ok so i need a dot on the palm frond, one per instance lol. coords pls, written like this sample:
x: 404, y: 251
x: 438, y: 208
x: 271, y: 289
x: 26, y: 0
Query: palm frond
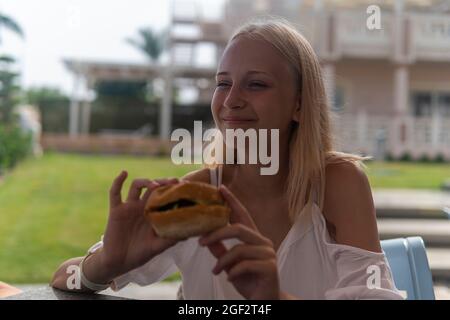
x: 7, y: 59
x: 11, y: 24
x: 149, y: 42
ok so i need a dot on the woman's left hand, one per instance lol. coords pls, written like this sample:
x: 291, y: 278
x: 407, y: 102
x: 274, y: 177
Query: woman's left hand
x: 252, y: 265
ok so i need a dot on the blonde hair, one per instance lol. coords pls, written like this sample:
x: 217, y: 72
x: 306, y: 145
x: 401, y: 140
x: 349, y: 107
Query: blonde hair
x: 311, y: 142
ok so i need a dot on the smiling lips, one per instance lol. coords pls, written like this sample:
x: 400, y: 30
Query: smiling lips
x: 236, y: 119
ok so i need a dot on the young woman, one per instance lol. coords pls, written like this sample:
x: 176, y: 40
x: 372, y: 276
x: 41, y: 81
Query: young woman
x: 307, y: 232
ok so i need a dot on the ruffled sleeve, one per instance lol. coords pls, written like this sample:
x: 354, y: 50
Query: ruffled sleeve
x: 355, y: 273
x: 361, y: 274
x: 156, y: 269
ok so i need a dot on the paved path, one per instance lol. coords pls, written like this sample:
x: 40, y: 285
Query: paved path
x: 417, y: 199
x: 417, y: 204
x: 434, y: 232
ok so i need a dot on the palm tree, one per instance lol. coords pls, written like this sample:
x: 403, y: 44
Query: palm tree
x: 9, y: 88
x: 149, y: 42
x: 9, y: 23
x: 152, y: 45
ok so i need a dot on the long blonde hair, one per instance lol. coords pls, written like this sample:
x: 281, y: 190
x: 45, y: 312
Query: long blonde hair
x: 311, y: 142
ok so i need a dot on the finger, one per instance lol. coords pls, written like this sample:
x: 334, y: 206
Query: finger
x: 115, y: 197
x: 238, y: 212
x: 237, y: 230
x: 217, y: 249
x: 136, y: 188
x: 153, y: 185
x: 157, y: 183
x: 242, y: 252
x: 248, y: 267
x: 164, y: 181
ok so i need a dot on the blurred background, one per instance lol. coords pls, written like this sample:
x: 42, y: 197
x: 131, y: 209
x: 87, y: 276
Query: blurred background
x: 88, y: 88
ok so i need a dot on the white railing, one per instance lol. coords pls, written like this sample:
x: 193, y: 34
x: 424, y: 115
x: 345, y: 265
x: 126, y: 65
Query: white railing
x: 431, y: 35
x: 426, y: 35
x: 432, y: 30
x: 352, y: 29
x: 377, y: 135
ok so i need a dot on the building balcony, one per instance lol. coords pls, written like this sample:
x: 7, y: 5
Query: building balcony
x: 407, y: 38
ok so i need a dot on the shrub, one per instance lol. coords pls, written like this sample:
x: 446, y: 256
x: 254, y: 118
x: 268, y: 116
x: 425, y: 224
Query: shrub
x: 405, y: 157
x: 14, y: 146
x: 389, y: 157
x: 439, y: 158
x: 424, y: 158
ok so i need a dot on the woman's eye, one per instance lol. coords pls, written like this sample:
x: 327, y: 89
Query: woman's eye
x: 222, y: 84
x: 257, y: 85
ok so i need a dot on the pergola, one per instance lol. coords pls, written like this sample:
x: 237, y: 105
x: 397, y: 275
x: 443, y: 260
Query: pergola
x: 87, y: 73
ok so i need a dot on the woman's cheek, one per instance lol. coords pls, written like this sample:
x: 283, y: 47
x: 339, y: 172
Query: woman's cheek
x: 215, y: 106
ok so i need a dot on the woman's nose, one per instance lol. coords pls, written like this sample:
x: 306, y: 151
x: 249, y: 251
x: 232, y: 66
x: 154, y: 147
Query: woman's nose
x: 234, y: 99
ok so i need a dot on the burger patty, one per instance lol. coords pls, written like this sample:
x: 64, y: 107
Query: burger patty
x: 177, y: 204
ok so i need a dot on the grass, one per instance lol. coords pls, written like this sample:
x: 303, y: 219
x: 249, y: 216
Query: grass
x: 398, y: 175
x: 54, y: 208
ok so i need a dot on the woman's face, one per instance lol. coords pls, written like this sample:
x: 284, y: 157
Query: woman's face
x: 255, y: 88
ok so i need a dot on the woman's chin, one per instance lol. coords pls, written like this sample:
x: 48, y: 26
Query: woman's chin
x: 239, y: 125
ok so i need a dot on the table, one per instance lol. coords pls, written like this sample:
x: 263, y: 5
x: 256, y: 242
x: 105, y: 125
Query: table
x: 49, y: 293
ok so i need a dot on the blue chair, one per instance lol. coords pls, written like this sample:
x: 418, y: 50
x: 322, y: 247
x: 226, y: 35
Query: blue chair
x: 409, y: 264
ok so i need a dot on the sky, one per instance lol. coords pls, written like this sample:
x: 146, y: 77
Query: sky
x: 81, y: 29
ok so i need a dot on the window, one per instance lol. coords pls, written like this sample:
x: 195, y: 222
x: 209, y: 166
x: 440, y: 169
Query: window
x: 444, y: 104
x: 339, y: 99
x: 421, y: 104
x: 426, y: 103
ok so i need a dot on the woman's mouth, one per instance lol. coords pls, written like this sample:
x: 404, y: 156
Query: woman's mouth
x: 236, y: 120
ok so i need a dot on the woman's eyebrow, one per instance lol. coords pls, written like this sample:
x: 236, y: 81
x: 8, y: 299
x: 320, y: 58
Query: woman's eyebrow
x: 224, y: 73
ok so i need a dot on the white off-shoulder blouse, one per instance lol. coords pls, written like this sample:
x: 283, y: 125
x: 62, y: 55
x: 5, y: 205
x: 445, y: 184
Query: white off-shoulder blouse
x: 310, y: 266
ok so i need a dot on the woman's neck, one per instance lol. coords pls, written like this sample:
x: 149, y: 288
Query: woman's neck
x: 247, y: 180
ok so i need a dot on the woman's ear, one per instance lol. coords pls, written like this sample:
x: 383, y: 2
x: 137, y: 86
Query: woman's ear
x: 296, y: 115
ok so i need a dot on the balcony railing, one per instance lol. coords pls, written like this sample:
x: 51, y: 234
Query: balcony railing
x: 411, y: 36
x: 354, y: 38
x: 376, y: 135
x: 431, y: 35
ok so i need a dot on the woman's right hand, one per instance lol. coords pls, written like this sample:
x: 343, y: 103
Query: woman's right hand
x: 129, y: 240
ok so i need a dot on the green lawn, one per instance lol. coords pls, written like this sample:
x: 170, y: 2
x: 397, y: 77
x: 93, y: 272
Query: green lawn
x: 408, y: 175
x: 55, y: 207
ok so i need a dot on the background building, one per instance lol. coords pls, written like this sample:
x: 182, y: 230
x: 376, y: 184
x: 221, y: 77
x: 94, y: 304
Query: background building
x: 389, y: 88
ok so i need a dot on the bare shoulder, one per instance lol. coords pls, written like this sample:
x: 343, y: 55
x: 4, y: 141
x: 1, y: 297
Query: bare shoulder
x: 349, y: 207
x: 200, y: 175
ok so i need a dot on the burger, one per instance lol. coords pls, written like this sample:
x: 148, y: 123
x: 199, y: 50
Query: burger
x: 186, y: 209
